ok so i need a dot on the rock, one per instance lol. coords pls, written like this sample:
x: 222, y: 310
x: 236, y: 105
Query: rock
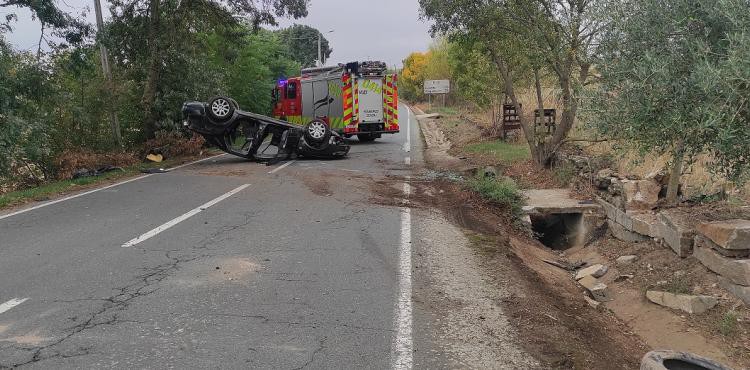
x: 739, y: 291
x: 736, y: 270
x: 626, y: 260
x: 676, y: 231
x: 622, y: 233
x: 489, y: 172
x: 591, y: 302
x: 731, y: 234
x: 596, y: 271
x: 645, y: 223
x: 688, y: 303
x: 624, y: 277
x: 598, y: 290
x: 641, y: 194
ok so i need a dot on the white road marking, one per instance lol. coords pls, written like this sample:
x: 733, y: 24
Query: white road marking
x: 184, y: 217
x: 407, y: 144
x: 98, y: 189
x: 407, y: 161
x: 403, y: 320
x: 12, y: 303
x: 277, y: 169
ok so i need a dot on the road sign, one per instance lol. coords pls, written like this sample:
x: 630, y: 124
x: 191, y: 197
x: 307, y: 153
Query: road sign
x: 437, y: 86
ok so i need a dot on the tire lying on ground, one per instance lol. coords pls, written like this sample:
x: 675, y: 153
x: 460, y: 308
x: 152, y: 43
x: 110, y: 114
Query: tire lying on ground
x: 317, y: 131
x: 673, y: 360
x: 221, y: 108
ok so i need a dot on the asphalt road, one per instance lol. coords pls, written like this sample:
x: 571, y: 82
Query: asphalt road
x: 227, y: 264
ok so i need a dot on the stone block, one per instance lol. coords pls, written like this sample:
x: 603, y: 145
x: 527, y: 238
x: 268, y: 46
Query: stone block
x: 640, y: 194
x: 739, y: 291
x: 676, y: 231
x: 645, y: 223
x: 621, y: 233
x: 736, y: 270
x: 731, y: 234
x: 684, y: 302
x: 598, y: 290
x: 596, y: 271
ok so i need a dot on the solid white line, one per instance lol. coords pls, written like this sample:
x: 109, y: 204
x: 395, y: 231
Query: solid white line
x: 184, y: 217
x: 194, y: 162
x: 277, y: 169
x: 12, y: 303
x: 97, y: 189
x: 403, y: 320
x: 407, y: 144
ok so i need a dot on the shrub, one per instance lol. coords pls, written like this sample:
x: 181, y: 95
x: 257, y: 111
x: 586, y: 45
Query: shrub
x: 173, y: 144
x: 502, y: 191
x: 71, y: 160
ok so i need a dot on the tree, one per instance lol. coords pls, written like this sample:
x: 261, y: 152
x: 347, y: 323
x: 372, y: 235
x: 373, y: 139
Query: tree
x: 302, y: 42
x: 172, y: 28
x: 49, y: 15
x: 521, y: 37
x: 675, y: 79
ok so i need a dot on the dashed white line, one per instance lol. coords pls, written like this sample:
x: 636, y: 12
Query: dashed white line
x: 407, y: 161
x: 403, y: 321
x: 98, y: 189
x: 277, y: 169
x: 184, y: 217
x: 12, y: 303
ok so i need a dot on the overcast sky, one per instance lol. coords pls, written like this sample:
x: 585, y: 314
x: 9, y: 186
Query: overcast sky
x: 386, y: 30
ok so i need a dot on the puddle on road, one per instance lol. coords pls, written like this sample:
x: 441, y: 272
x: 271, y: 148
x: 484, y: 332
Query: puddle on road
x: 209, y: 271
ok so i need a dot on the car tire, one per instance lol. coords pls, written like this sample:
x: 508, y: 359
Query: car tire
x: 665, y: 359
x: 221, y: 108
x: 234, y: 102
x: 366, y: 138
x: 317, y: 131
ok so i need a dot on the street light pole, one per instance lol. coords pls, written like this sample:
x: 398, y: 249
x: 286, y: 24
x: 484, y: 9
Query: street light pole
x: 320, y: 58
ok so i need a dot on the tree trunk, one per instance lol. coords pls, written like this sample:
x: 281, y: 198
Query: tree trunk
x: 675, y: 174
x: 539, y: 99
x: 152, y: 81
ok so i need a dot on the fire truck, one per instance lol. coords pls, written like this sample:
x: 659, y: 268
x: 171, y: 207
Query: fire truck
x: 358, y: 98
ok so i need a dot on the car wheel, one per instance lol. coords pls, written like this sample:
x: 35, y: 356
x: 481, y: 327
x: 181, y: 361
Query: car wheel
x: 664, y: 360
x: 317, y: 131
x: 365, y: 137
x: 221, y: 108
x: 234, y: 103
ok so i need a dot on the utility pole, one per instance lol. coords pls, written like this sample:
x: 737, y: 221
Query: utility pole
x: 320, y: 57
x: 113, y: 120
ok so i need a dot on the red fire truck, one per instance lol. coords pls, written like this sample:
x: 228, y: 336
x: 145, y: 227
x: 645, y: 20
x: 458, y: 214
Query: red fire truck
x: 358, y: 98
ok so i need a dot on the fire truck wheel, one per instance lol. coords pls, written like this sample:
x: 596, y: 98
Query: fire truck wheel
x: 221, y: 108
x: 366, y: 137
x: 317, y: 131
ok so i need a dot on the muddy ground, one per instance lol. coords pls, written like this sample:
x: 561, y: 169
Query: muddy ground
x: 553, y: 321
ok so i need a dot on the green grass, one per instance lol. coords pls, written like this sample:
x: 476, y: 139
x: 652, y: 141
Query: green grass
x: 443, y: 110
x: 502, y: 191
x: 45, y: 191
x: 505, y: 152
x: 728, y: 323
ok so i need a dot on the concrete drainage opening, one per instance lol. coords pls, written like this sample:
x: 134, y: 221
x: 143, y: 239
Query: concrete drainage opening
x: 558, y: 231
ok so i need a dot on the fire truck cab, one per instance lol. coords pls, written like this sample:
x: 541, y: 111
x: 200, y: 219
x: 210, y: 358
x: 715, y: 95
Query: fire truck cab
x: 358, y: 98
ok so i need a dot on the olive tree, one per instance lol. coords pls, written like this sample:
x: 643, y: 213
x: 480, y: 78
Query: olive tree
x: 522, y: 37
x: 675, y: 79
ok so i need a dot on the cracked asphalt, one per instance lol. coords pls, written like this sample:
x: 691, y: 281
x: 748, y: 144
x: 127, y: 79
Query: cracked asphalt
x: 299, y: 270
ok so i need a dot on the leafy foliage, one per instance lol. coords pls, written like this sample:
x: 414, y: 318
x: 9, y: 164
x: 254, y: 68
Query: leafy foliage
x: 302, y: 42
x: 675, y: 79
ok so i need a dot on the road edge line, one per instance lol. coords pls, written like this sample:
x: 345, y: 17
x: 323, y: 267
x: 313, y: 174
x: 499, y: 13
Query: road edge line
x: 5, y: 307
x: 53, y: 202
x: 403, y: 345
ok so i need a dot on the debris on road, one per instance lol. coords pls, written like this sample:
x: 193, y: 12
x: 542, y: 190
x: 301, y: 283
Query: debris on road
x: 85, y: 172
x: 155, y: 157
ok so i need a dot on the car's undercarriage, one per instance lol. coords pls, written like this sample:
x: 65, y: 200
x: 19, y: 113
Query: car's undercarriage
x: 249, y: 135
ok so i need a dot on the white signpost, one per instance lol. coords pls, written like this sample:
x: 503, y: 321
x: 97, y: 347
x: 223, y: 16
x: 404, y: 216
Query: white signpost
x: 432, y: 87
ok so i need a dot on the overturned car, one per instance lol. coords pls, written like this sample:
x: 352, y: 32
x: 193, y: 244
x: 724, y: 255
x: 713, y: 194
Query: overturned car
x: 249, y: 135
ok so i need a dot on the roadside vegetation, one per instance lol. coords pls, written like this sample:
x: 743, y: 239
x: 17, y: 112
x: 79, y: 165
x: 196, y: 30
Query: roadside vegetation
x: 502, y: 191
x: 655, y: 88
x: 55, y: 102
